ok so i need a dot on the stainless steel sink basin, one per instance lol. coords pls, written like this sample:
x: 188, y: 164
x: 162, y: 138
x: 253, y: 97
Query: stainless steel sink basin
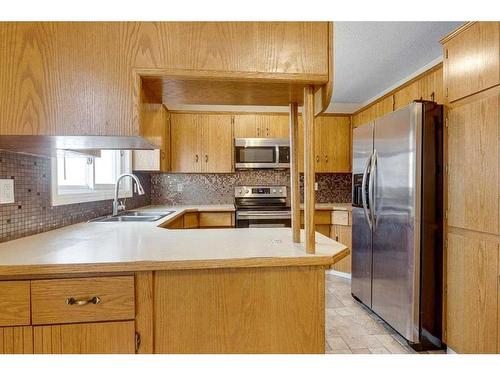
x: 131, y: 216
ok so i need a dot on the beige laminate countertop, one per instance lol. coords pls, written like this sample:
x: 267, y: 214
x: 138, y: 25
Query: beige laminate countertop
x: 331, y: 206
x: 136, y: 246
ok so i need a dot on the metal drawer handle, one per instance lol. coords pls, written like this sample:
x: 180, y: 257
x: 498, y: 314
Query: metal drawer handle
x: 82, y: 302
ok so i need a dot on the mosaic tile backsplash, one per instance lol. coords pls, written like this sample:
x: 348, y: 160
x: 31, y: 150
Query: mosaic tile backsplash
x: 178, y: 189
x: 32, y: 211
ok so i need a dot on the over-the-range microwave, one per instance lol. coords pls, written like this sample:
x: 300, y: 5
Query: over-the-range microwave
x: 257, y: 153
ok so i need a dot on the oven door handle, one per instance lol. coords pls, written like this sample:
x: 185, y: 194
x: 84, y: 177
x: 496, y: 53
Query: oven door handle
x: 256, y: 215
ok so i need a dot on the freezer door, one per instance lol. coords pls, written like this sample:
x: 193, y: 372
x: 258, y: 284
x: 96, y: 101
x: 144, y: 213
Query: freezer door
x: 396, y: 230
x: 361, y: 233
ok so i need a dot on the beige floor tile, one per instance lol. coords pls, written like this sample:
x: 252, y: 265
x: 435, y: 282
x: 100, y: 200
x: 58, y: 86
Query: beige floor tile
x: 363, y: 342
x: 336, y: 343
x: 361, y: 351
x: 379, y: 351
x: 341, y: 351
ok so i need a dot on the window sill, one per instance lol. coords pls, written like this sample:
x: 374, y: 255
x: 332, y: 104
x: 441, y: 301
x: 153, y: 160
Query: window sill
x: 95, y: 196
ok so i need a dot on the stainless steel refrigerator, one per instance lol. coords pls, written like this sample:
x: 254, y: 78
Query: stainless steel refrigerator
x: 397, y: 217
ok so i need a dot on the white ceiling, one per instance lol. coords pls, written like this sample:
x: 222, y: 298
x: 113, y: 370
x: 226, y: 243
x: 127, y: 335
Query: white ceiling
x: 370, y: 57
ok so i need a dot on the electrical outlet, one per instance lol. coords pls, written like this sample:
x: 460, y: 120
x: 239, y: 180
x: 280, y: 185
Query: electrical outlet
x: 315, y: 186
x: 6, y: 191
x: 179, y: 188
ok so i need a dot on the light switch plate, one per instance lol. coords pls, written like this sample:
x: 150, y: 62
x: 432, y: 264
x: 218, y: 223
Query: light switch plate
x: 6, y: 191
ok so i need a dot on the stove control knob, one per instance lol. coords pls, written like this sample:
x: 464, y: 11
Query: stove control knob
x: 274, y: 190
x: 247, y: 191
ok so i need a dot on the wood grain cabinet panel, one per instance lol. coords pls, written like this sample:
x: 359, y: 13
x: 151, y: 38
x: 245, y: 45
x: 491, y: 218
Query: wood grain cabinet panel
x: 473, y: 157
x: 191, y: 220
x: 50, y: 300
x: 228, y: 310
x: 342, y: 234
x: 472, y: 60
x: 14, y: 303
x: 261, y: 125
x: 472, y: 292
x: 16, y: 340
x: 333, y: 143
x: 185, y: 143
x: 155, y: 127
x: 216, y: 219
x: 76, y: 78
x: 217, y: 143
x: 201, y: 143
x: 85, y: 338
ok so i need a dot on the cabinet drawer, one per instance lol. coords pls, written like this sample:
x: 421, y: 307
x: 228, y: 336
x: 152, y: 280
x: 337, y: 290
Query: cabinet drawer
x: 321, y: 217
x: 191, y: 220
x: 14, y: 303
x: 340, y: 217
x: 94, y: 299
x: 216, y: 219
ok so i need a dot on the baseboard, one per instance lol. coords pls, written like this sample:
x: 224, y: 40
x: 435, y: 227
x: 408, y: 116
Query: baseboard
x: 339, y: 274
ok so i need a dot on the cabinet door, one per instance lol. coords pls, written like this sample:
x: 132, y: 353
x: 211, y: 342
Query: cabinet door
x: 473, y: 157
x: 88, y: 338
x: 155, y: 127
x: 472, y: 60
x: 335, y: 140
x: 342, y: 234
x: 185, y: 142
x: 273, y: 126
x: 317, y: 145
x: 217, y: 144
x: 16, y: 340
x: 245, y: 126
x: 472, y: 291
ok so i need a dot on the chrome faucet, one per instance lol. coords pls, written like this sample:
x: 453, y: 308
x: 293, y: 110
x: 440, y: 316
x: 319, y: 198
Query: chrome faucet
x: 120, y: 206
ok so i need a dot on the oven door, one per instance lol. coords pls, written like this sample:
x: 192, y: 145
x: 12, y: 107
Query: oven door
x: 263, y: 219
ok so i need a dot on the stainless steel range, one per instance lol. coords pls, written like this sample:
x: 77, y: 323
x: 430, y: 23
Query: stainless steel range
x: 261, y: 207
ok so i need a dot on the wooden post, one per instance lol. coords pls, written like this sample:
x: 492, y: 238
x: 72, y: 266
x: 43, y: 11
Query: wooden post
x: 294, y: 171
x: 309, y: 194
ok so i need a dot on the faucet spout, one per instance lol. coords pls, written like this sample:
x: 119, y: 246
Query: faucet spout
x: 117, y: 206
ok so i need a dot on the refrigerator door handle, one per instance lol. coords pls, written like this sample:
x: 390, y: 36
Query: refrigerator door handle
x: 363, y: 192
x: 371, y: 188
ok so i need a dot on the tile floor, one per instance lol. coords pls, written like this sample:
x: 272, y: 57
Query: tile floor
x: 353, y: 329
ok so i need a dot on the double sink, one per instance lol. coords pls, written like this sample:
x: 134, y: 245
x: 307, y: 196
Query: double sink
x: 132, y: 216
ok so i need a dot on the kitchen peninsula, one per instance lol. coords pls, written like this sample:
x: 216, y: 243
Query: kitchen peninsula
x: 138, y: 287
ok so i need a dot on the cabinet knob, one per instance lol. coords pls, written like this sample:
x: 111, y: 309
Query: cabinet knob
x: 206, y: 158
x: 196, y: 158
x: 82, y: 302
x: 317, y: 158
x: 326, y: 158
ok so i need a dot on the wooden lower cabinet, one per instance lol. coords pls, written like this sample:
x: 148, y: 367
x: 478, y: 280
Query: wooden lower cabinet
x: 16, y: 340
x: 342, y: 234
x: 240, y: 310
x: 85, y: 338
x: 472, y: 280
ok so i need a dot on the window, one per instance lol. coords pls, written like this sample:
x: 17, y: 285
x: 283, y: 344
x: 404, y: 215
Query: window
x: 77, y: 178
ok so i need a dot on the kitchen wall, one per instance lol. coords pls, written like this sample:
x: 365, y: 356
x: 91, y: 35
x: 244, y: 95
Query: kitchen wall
x: 32, y: 212
x: 178, y: 189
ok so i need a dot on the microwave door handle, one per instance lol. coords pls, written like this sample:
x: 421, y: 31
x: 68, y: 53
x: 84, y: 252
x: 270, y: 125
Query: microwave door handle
x: 371, y: 188
x: 363, y: 192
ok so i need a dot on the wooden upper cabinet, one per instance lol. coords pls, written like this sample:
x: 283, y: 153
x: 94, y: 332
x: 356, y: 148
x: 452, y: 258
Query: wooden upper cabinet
x: 473, y: 159
x: 201, y: 143
x: 217, y: 143
x: 82, y: 78
x: 332, y: 144
x: 471, y: 59
x: 261, y: 125
x: 335, y: 139
x: 185, y: 143
x: 155, y: 118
